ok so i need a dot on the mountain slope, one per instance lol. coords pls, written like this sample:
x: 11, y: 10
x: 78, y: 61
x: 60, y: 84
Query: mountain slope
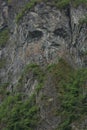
x: 43, y: 65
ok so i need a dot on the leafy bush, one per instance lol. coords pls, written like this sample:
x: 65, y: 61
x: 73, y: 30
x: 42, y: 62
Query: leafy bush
x: 71, y: 86
x: 16, y: 114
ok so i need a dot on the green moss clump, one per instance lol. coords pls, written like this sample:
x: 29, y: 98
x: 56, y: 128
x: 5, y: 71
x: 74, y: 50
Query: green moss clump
x: 4, y: 36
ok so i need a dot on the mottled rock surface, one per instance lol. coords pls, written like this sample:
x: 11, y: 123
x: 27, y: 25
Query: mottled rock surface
x: 43, y: 36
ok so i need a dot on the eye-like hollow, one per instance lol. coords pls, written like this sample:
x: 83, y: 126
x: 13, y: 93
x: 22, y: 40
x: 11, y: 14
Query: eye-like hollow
x: 60, y: 32
x: 35, y: 34
x: 55, y: 44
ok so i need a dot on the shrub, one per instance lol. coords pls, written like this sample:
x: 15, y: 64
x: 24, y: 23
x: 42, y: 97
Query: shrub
x: 17, y: 114
x: 70, y: 84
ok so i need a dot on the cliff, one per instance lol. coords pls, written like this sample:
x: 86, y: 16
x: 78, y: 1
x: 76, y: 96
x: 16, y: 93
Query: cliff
x: 43, y: 52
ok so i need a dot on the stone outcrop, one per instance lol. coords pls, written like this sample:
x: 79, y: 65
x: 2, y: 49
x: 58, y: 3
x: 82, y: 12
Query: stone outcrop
x: 43, y: 36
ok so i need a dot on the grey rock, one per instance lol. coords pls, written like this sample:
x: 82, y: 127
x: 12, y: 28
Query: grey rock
x: 44, y: 35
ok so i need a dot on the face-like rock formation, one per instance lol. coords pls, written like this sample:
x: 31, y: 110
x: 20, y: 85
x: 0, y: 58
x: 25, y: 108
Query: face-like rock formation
x: 43, y: 35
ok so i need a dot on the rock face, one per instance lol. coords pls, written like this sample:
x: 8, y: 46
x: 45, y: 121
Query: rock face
x: 43, y: 36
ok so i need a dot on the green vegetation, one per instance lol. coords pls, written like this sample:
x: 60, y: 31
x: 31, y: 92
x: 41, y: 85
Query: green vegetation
x: 9, y: 1
x: 34, y: 70
x: 84, y: 52
x: 28, y: 6
x: 78, y: 2
x: 20, y: 112
x: 61, y: 3
x: 64, y: 3
x: 3, y: 91
x: 16, y: 114
x: 71, y: 85
x: 2, y: 63
x: 4, y: 36
x: 57, y: 3
x: 83, y: 20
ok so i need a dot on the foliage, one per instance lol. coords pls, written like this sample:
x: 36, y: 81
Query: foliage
x: 16, y: 111
x: 2, y: 63
x: 83, y: 20
x: 78, y: 2
x: 64, y: 3
x: 3, y: 91
x: 28, y: 6
x: 20, y: 113
x: 71, y: 85
x: 16, y: 114
x: 4, y: 36
x: 9, y: 1
x: 36, y: 72
x: 57, y: 3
